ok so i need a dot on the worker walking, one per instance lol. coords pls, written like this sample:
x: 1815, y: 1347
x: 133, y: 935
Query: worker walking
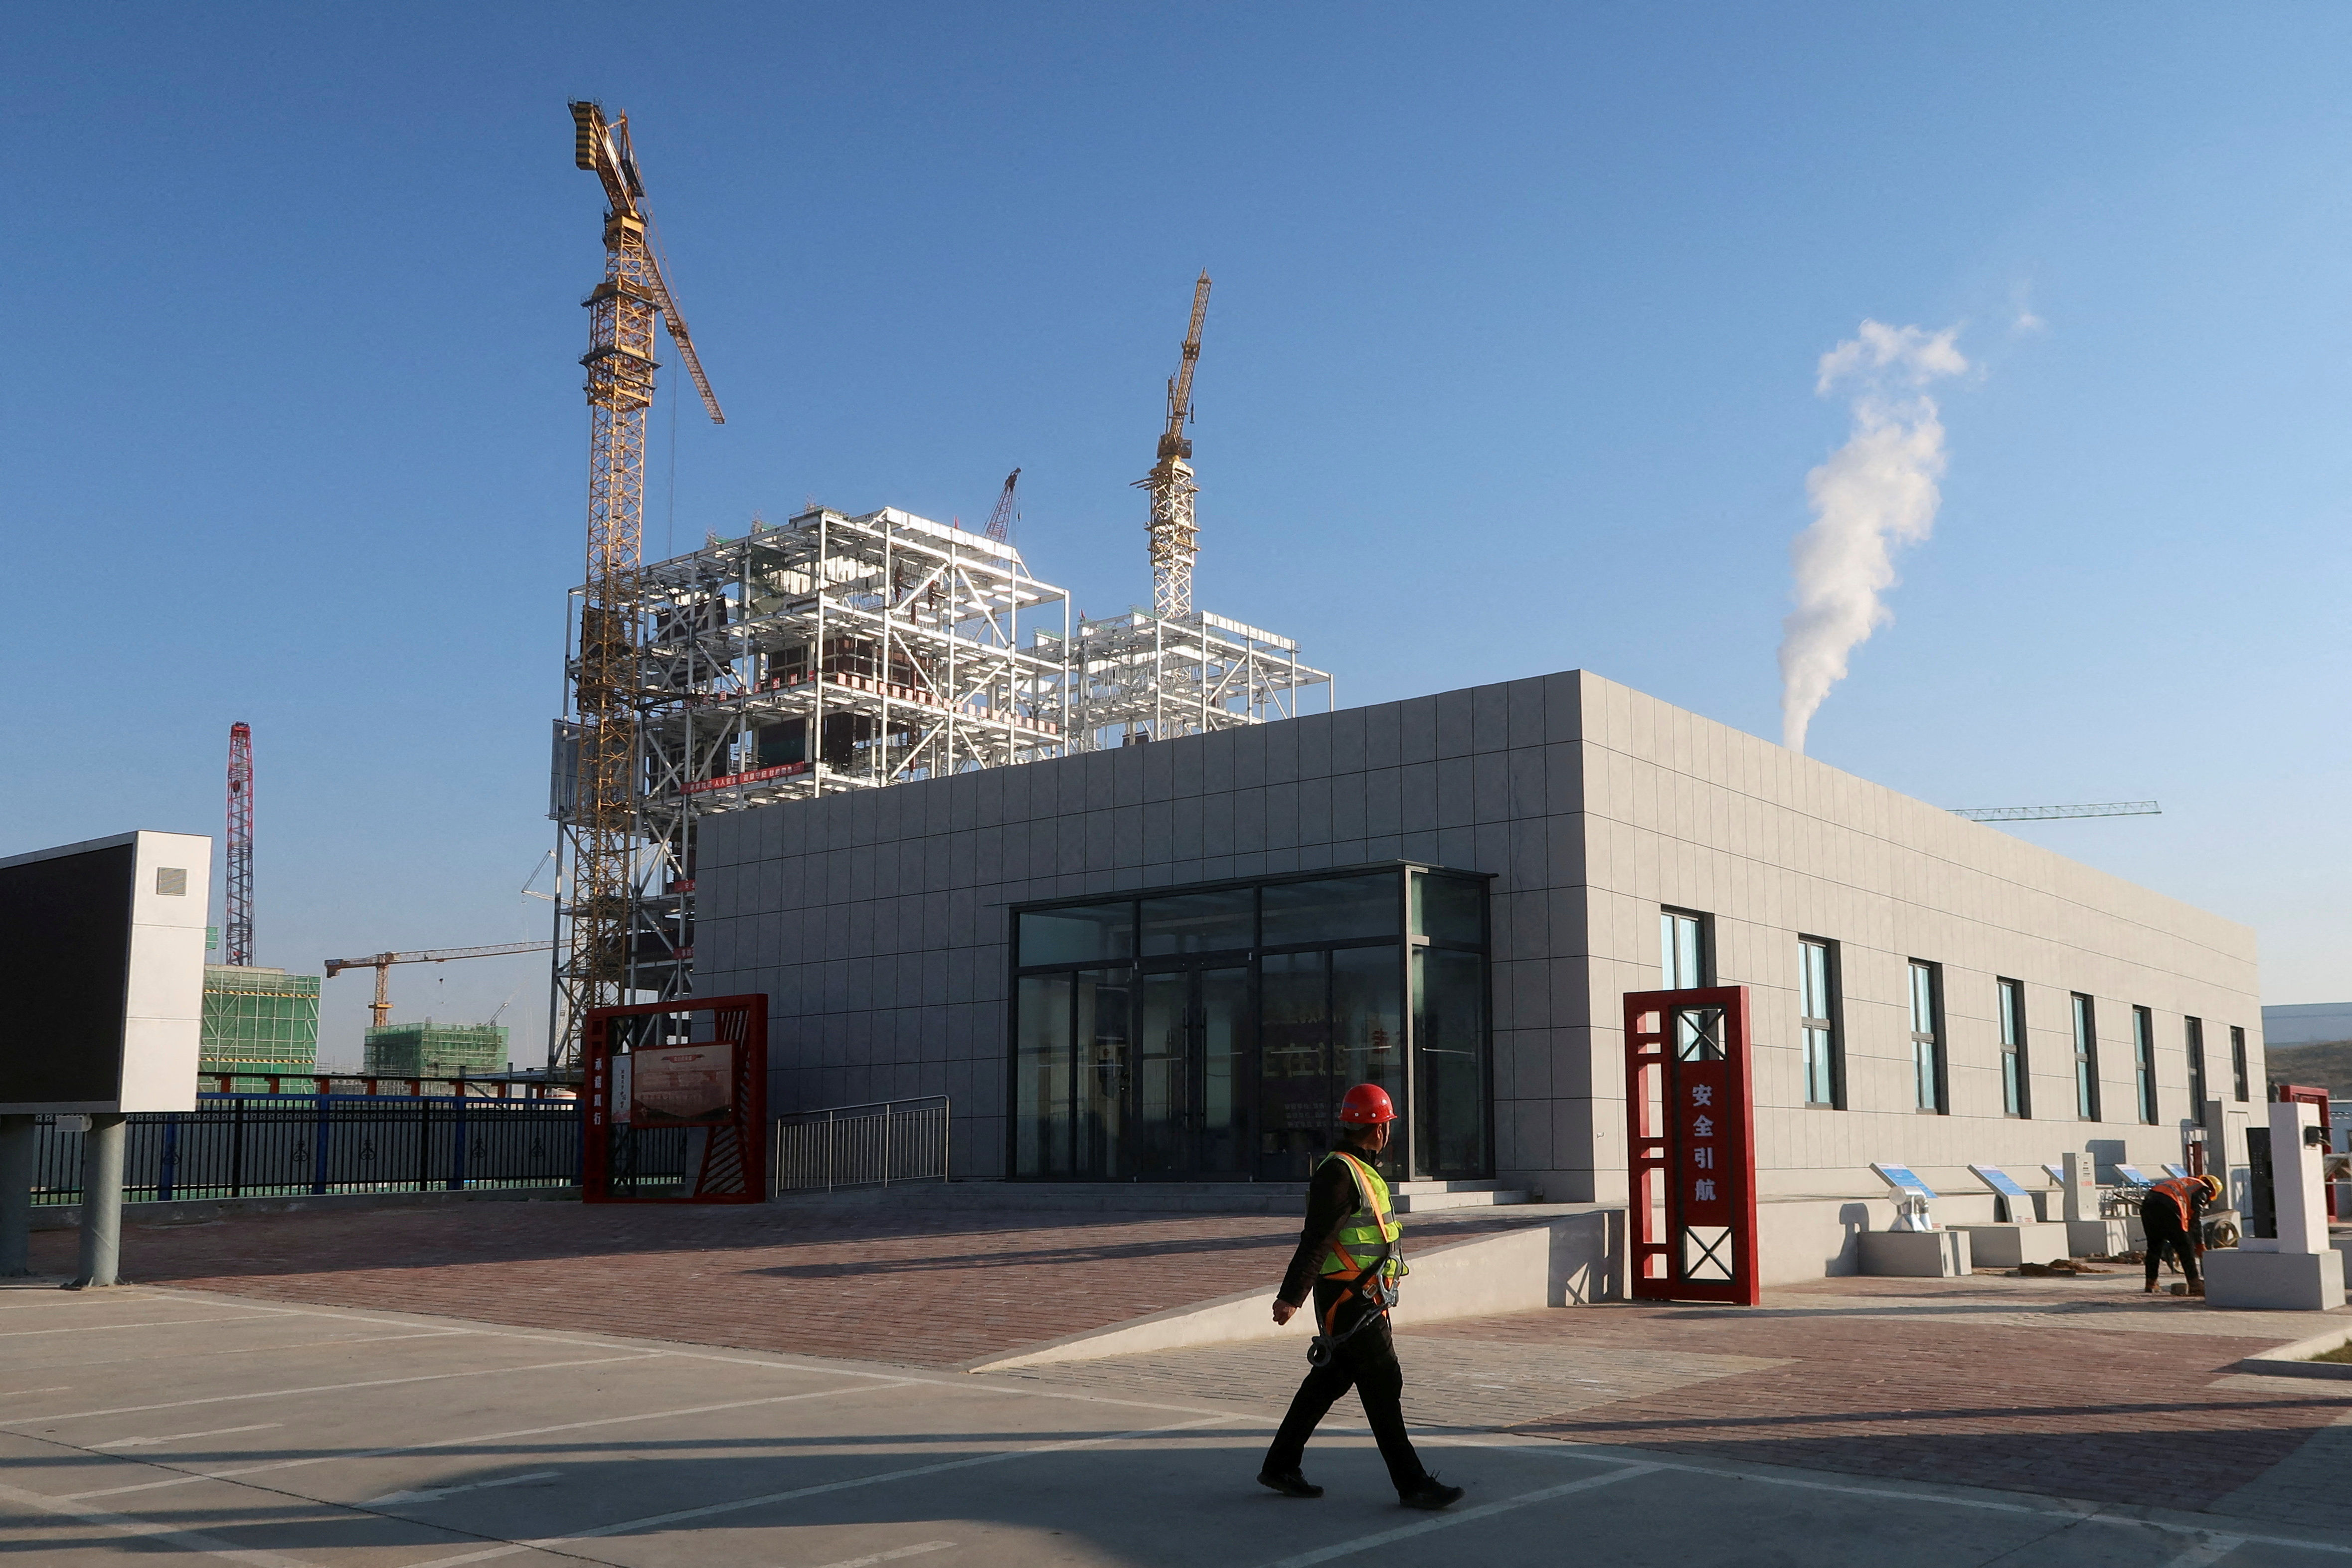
x: 2172, y: 1214
x: 1349, y: 1254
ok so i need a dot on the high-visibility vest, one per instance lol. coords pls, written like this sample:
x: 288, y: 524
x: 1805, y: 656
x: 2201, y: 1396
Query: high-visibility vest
x: 1367, y: 1229
x: 2179, y: 1191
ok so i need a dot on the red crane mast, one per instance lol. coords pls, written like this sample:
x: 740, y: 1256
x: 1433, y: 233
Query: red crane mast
x: 240, y: 845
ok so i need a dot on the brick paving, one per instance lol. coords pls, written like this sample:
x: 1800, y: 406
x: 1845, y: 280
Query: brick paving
x: 2060, y: 1407
x: 2079, y: 1389
x: 877, y: 1283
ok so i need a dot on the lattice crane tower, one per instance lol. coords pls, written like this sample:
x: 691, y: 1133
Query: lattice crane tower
x: 600, y: 826
x: 239, y: 937
x: 1174, y: 535
x: 1000, y: 521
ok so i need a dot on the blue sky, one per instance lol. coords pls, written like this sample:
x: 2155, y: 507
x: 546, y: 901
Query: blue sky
x: 1509, y: 369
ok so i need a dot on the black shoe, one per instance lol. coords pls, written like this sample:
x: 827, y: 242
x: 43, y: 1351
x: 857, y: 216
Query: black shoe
x: 1432, y: 1494
x: 1289, y: 1483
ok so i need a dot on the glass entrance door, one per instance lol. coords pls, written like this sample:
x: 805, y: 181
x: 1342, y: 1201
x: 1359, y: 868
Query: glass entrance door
x: 1189, y: 1054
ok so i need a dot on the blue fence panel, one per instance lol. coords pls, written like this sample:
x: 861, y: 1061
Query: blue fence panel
x: 265, y: 1145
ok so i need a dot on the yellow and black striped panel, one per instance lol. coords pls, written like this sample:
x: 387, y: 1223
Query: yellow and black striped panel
x: 585, y: 129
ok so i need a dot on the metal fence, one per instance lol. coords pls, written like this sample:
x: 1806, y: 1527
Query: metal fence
x: 863, y: 1145
x: 253, y: 1146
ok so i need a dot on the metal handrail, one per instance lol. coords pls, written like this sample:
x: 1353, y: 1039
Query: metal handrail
x: 876, y: 1164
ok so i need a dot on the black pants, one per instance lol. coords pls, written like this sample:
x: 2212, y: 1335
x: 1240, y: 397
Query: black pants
x: 1368, y: 1362
x: 2165, y: 1234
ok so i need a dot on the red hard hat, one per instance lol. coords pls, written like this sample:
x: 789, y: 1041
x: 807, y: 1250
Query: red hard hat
x: 1366, y: 1106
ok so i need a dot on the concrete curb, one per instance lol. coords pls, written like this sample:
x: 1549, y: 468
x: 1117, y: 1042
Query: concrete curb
x: 2293, y: 1360
x: 1559, y: 1262
x: 67, y: 1215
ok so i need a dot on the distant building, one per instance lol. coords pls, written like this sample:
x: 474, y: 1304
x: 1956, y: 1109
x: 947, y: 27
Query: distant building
x: 259, y: 1021
x: 430, y: 1050
x: 2307, y: 1022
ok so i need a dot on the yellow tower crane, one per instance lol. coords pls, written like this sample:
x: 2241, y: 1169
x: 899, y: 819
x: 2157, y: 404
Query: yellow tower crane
x: 382, y: 964
x: 592, y: 966
x: 1174, y: 537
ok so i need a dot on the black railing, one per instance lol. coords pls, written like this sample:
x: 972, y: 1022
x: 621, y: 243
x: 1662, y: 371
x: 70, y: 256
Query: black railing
x: 265, y: 1146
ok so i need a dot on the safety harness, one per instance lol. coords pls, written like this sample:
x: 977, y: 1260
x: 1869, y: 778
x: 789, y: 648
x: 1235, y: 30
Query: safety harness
x: 1372, y: 1282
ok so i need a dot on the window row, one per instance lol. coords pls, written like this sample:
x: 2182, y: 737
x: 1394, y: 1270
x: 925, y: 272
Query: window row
x: 1686, y: 961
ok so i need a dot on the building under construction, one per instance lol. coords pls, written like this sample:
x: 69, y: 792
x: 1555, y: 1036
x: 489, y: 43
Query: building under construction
x: 259, y: 1021
x: 834, y: 652
x: 430, y: 1050
x: 838, y: 653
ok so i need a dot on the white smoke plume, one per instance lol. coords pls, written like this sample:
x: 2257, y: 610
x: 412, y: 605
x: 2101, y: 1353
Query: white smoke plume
x: 1876, y: 492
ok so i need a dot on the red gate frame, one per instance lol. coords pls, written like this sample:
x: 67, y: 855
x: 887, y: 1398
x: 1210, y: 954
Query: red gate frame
x: 742, y: 1021
x: 1657, y: 1154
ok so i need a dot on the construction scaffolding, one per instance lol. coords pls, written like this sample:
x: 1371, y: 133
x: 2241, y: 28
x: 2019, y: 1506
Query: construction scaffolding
x: 431, y: 1049
x: 258, y: 1020
x: 833, y: 652
x: 1138, y: 678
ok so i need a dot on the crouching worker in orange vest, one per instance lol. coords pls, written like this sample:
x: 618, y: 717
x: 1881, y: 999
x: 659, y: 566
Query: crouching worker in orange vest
x: 2173, y: 1216
x: 1348, y: 1252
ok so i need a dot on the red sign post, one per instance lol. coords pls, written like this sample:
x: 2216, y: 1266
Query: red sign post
x: 649, y: 1087
x: 1691, y: 1134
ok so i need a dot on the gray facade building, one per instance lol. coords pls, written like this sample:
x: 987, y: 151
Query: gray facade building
x: 2307, y: 1023
x: 1929, y: 990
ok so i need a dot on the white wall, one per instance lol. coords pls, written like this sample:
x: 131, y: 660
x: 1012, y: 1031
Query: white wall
x: 1685, y: 811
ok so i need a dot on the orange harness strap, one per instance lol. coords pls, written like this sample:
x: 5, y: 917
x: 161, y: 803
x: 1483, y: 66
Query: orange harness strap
x: 1346, y: 1259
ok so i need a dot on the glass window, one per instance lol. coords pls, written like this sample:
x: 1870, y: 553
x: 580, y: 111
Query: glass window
x: 1295, y: 1068
x: 1087, y: 934
x: 2086, y: 1059
x: 2192, y: 1034
x: 1041, y: 1122
x: 1340, y: 910
x: 2015, y: 1091
x: 1192, y: 1051
x: 1817, y: 1020
x: 1449, y: 908
x: 2144, y: 1063
x: 1926, y: 1036
x: 2238, y: 1063
x: 1449, y: 1021
x: 1101, y: 1031
x: 1368, y: 1018
x: 1200, y: 922
x: 1682, y: 950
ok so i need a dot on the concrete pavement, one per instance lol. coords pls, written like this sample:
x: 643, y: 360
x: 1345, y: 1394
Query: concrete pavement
x: 289, y: 1436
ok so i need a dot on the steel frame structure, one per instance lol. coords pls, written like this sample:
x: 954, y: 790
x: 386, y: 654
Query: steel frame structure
x: 238, y: 937
x: 1140, y: 676
x: 833, y: 653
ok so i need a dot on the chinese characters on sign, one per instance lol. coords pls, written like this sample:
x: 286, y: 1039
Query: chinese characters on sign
x: 678, y: 1086
x: 1690, y: 1223
x: 1705, y: 1160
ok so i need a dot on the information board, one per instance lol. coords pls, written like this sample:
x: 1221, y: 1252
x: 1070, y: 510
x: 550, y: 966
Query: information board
x: 681, y: 1085
x: 667, y: 1117
x: 2000, y: 1180
x: 1903, y: 1180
